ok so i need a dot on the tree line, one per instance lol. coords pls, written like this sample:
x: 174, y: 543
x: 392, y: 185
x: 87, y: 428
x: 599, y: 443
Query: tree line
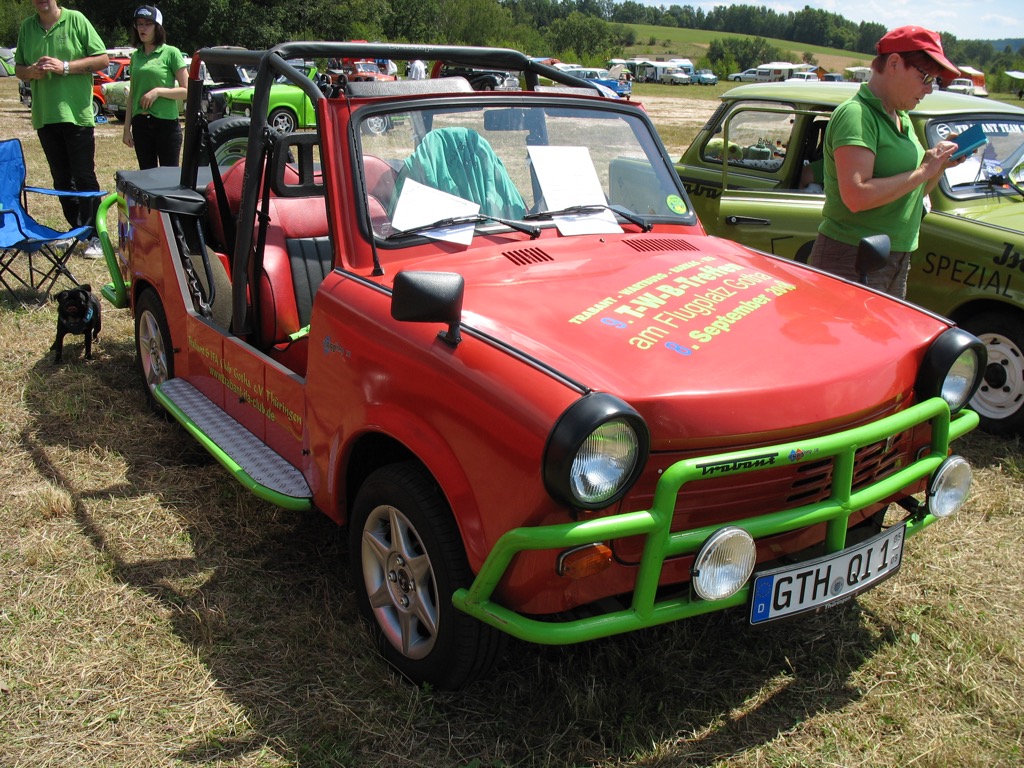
x: 584, y: 30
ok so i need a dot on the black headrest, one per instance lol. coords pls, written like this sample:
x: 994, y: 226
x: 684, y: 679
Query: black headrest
x: 295, y: 151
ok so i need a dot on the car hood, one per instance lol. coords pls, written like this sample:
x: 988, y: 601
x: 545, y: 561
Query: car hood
x: 702, y: 336
x: 224, y: 74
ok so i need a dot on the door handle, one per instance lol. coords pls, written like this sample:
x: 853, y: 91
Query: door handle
x: 747, y: 220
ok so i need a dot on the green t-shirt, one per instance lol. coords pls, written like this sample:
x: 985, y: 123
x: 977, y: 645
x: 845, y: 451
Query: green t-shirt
x: 55, y: 98
x: 156, y: 70
x: 861, y: 121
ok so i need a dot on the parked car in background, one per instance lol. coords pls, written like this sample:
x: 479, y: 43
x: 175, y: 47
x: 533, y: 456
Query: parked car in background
x: 219, y: 80
x: 970, y: 263
x: 119, y: 68
x: 746, y: 76
x: 7, y: 62
x: 675, y: 76
x: 496, y: 344
x: 803, y: 77
x: 289, y: 109
x: 962, y: 85
x: 364, y: 71
x: 479, y: 79
x: 622, y: 87
x: 116, y: 95
x: 705, y: 77
x: 833, y: 77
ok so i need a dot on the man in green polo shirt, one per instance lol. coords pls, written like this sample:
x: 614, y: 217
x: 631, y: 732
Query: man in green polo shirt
x: 58, y: 51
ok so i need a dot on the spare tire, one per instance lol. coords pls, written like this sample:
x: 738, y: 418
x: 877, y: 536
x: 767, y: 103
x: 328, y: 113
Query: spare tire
x: 229, y: 139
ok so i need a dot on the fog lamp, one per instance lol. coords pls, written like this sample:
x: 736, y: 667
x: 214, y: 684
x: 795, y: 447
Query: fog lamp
x: 724, y: 563
x: 949, y: 486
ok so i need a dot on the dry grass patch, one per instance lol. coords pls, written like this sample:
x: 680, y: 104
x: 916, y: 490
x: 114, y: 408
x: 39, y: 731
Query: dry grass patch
x: 153, y: 614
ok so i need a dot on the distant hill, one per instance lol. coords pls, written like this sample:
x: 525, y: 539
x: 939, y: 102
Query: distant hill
x: 672, y: 42
x: 1015, y: 44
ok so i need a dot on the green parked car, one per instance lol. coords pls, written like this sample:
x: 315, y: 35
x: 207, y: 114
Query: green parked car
x: 290, y: 108
x: 970, y: 263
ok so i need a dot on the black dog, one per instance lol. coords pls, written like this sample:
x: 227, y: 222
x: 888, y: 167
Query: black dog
x: 78, y: 311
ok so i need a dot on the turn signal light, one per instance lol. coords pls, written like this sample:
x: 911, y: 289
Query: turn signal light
x: 583, y: 561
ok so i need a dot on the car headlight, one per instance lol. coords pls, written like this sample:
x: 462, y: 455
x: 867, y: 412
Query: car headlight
x: 953, y: 368
x: 949, y: 486
x: 724, y: 563
x: 595, y: 452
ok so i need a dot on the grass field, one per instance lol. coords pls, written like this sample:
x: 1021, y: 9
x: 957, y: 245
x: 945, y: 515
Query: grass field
x: 154, y: 614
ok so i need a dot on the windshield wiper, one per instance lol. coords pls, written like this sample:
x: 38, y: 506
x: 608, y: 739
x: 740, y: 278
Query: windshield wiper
x: 640, y: 221
x: 476, y: 218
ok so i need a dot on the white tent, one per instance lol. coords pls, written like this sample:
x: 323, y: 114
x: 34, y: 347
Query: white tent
x: 1015, y: 74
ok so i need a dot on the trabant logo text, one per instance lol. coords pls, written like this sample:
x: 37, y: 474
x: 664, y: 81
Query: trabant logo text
x: 723, y: 467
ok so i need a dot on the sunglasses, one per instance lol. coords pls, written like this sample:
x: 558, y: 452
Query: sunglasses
x: 926, y: 79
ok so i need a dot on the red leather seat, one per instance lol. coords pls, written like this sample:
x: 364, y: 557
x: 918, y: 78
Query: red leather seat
x: 232, y: 181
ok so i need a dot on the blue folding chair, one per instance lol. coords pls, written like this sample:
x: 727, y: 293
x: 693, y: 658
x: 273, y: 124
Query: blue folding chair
x: 46, y: 251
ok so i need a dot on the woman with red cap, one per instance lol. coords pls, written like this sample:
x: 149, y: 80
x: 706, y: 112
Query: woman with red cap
x: 876, y: 173
x: 158, y: 83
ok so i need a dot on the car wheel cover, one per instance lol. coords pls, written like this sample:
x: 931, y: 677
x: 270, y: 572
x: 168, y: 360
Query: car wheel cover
x: 399, y: 581
x: 1002, y: 392
x: 152, y: 354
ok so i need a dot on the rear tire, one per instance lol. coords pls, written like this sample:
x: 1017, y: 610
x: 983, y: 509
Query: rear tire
x: 1000, y: 399
x: 407, y: 560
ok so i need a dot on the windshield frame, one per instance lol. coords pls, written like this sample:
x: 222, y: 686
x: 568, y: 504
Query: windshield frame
x: 426, y: 110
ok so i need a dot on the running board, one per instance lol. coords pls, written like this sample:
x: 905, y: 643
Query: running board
x: 253, y: 463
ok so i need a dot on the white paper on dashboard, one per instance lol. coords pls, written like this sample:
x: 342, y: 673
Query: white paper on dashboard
x: 419, y: 205
x: 567, y: 177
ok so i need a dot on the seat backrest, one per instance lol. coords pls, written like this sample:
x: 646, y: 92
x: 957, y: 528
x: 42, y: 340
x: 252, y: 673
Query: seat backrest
x: 461, y: 162
x: 12, y: 182
x: 297, y: 256
x: 12, y: 173
x: 232, y: 178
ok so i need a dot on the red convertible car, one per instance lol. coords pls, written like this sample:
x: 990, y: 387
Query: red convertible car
x: 495, y: 343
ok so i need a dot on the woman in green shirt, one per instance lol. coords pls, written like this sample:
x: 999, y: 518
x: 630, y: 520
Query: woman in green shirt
x: 158, y: 80
x: 877, y: 174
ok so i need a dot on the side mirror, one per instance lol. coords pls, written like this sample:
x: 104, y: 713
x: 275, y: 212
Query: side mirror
x: 430, y: 297
x: 872, y: 255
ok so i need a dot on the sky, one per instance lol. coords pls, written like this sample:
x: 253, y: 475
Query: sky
x: 966, y: 19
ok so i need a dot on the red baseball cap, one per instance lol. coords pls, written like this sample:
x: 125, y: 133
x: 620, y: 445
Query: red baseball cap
x: 905, y: 39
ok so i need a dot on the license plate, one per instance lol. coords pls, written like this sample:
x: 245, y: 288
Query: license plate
x: 827, y: 581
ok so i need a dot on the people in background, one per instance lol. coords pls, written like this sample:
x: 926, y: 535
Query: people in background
x: 417, y: 70
x: 158, y: 83
x: 877, y: 175
x: 58, y: 50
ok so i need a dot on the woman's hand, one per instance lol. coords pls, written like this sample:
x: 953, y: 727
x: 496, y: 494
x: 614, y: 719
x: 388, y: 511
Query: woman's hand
x: 126, y: 136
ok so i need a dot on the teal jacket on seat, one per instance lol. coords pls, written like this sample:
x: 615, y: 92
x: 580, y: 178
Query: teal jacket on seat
x: 461, y: 162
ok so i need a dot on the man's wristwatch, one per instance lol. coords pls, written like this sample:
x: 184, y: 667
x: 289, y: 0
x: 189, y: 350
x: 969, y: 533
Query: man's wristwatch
x: 67, y: 68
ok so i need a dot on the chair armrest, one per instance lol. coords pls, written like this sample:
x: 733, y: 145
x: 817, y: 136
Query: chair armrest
x: 64, y: 193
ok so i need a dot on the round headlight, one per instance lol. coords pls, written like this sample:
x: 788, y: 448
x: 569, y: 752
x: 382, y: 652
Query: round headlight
x: 604, y: 461
x: 959, y: 384
x: 724, y: 563
x: 595, y: 453
x: 949, y: 486
x: 952, y: 368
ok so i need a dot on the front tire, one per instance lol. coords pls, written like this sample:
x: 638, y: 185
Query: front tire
x: 407, y: 560
x: 282, y: 120
x: 1000, y: 399
x: 154, y: 353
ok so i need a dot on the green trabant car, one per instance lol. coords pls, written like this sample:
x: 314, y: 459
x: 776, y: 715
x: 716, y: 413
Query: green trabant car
x: 970, y: 263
